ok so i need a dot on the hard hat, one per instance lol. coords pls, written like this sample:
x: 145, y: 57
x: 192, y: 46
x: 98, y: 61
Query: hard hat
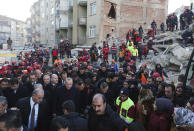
x: 155, y: 75
x: 4, y: 68
x: 30, y: 68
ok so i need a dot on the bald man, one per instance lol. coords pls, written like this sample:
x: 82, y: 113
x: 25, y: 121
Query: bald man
x: 55, y: 81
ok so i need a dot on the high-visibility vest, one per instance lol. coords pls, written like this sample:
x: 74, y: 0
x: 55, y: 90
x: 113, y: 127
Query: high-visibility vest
x: 135, y: 52
x: 130, y: 48
x: 123, y: 108
x: 131, y: 44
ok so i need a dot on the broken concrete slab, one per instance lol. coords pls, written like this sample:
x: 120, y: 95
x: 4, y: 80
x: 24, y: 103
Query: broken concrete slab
x: 181, y: 53
x: 174, y: 61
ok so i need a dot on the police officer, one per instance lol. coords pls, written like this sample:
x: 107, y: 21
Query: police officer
x: 125, y: 106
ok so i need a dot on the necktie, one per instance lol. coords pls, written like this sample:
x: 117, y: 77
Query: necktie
x: 32, y: 118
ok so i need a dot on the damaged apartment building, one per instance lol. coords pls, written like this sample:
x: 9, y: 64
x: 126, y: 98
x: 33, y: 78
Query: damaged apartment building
x: 113, y: 18
x: 84, y: 22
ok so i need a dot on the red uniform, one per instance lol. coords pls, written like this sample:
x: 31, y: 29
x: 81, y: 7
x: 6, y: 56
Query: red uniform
x: 105, y: 53
x: 128, y: 55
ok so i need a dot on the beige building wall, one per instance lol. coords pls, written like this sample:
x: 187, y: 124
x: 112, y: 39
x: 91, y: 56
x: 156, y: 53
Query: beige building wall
x: 95, y: 20
x: 129, y: 14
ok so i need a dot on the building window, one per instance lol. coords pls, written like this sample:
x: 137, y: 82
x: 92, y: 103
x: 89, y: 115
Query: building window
x: 92, y: 31
x: 93, y: 8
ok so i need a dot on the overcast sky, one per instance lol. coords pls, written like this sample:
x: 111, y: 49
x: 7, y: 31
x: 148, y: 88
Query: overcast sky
x: 20, y: 9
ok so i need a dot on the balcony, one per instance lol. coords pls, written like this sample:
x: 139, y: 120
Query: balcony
x: 82, y: 21
x: 62, y: 26
x: 83, y: 2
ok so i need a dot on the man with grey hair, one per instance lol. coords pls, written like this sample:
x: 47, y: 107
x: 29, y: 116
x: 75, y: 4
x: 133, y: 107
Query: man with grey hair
x: 47, y: 82
x: 3, y: 105
x: 67, y: 92
x: 38, y: 86
x: 34, y: 111
x: 46, y: 79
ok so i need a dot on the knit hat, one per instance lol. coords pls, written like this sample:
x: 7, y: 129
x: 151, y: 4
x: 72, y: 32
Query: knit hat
x: 164, y: 105
x: 124, y: 91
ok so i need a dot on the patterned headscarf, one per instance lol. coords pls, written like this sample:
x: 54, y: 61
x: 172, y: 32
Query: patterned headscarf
x: 183, y: 116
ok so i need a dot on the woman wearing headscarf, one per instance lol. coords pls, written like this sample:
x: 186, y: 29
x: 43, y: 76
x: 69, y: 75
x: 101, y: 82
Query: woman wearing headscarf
x: 160, y: 119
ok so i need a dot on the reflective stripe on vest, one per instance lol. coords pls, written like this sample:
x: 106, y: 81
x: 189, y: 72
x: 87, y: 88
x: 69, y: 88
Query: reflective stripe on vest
x: 123, y: 107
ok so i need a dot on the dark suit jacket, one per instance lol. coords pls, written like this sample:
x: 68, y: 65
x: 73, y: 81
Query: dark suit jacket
x: 28, y: 89
x: 12, y: 97
x: 40, y: 80
x: 62, y: 94
x: 43, y: 113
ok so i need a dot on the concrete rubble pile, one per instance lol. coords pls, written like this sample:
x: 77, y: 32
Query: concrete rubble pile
x: 172, y: 56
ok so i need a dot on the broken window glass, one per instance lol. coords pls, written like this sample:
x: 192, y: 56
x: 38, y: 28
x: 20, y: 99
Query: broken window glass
x: 112, y: 12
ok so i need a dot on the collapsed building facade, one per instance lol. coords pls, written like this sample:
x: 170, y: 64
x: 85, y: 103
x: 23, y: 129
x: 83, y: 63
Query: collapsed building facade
x: 113, y: 18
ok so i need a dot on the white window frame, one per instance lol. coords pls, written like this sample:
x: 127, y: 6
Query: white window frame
x: 93, y: 8
x: 92, y: 31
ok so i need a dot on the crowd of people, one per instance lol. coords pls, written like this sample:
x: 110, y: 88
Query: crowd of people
x: 172, y: 21
x: 86, y: 94
x: 89, y: 96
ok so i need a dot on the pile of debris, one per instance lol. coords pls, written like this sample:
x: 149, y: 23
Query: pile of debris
x: 172, y: 56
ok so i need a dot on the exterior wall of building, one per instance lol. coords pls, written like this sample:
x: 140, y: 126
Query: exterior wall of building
x: 61, y: 19
x: 129, y: 14
x: 82, y: 22
x: 43, y: 32
x: 35, y: 22
x: 94, y: 20
x: 14, y: 29
x: 5, y: 31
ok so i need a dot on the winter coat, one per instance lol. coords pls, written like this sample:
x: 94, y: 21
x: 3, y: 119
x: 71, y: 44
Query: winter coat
x: 159, y: 122
x: 110, y: 121
x: 54, y: 52
x: 75, y: 122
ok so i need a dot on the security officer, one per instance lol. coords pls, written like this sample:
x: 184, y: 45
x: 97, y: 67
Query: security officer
x: 125, y: 106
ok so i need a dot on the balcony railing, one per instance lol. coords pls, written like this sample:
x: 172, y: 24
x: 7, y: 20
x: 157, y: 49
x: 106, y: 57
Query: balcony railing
x: 83, y: 21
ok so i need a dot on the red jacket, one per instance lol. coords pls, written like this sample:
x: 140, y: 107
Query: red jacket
x: 127, y: 55
x: 123, y: 47
x: 54, y: 52
x: 105, y: 52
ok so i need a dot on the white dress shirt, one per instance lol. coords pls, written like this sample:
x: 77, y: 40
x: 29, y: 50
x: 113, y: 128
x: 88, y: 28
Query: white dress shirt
x: 36, y: 113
